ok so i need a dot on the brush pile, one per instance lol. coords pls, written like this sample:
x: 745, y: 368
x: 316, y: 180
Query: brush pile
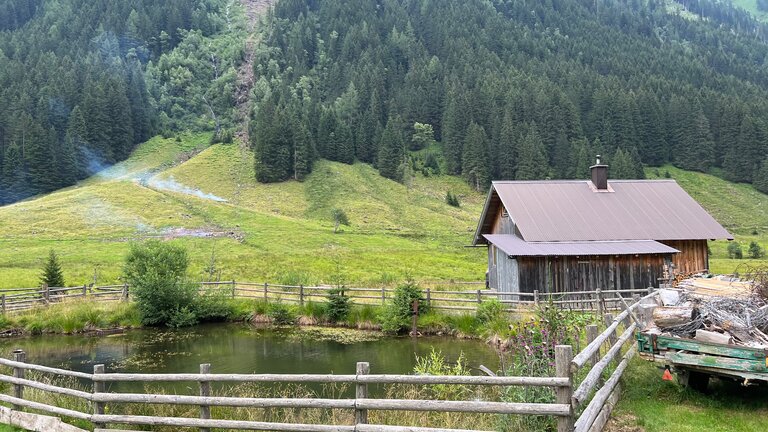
x: 739, y: 318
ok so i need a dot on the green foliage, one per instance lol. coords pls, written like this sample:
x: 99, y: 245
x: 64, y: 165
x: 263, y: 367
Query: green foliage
x: 339, y: 218
x: 452, y: 200
x: 156, y: 272
x: 281, y: 314
x: 755, y: 250
x: 423, y: 136
x: 734, y: 250
x: 52, y: 273
x: 397, y: 314
x: 338, y: 305
x: 72, y: 74
x: 761, y: 178
x: 434, y: 363
x: 489, y: 310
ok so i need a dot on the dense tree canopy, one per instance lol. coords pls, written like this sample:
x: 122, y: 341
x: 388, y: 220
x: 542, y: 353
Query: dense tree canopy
x: 73, y: 96
x: 514, y: 89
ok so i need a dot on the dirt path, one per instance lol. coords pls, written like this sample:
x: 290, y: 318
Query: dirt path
x: 245, y: 79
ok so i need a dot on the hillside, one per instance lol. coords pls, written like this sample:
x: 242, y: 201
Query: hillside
x: 277, y: 232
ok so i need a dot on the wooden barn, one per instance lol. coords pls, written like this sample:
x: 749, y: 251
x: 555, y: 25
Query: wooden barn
x: 580, y: 235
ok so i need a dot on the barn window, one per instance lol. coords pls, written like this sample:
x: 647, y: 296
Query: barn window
x: 504, y: 213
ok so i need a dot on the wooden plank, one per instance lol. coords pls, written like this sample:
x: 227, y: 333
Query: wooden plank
x: 35, y: 422
x: 704, y: 360
x: 741, y: 352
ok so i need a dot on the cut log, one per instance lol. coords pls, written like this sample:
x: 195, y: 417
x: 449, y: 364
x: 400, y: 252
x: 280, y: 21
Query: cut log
x: 665, y: 317
x: 713, y: 337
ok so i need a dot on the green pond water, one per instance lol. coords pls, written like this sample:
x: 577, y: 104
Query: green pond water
x: 239, y: 348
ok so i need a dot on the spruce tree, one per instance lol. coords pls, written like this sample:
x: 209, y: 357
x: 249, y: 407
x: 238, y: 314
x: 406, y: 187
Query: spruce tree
x: 532, y: 162
x: 52, y: 274
x: 391, y: 150
x: 621, y: 165
x: 452, y: 133
x: 475, y: 160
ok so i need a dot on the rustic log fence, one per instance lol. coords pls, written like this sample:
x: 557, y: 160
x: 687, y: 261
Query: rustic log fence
x: 600, y: 301
x: 581, y: 405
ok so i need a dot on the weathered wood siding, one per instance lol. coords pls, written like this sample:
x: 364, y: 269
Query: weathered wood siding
x: 563, y: 274
x: 693, y: 256
x: 502, y: 223
x: 502, y: 271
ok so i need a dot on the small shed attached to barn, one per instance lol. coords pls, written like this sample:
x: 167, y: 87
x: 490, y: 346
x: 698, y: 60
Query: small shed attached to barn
x: 580, y: 235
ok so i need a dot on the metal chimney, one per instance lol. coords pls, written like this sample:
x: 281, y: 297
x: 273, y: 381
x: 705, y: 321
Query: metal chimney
x: 599, y: 175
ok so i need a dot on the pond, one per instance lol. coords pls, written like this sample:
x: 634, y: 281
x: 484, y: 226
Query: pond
x: 240, y: 348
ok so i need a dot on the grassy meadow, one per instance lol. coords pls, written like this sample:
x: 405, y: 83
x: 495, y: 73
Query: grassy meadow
x: 275, y: 232
x: 284, y: 232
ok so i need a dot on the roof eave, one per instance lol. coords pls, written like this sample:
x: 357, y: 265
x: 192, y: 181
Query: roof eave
x: 479, y: 239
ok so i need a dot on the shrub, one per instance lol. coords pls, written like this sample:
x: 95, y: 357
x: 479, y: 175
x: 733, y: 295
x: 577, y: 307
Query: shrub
x: 52, y: 274
x: 734, y: 251
x: 755, y: 251
x: 452, y: 200
x: 281, y: 314
x: 338, y: 305
x: 339, y: 218
x: 434, y: 364
x: 156, y: 272
x: 397, y: 314
x: 213, y: 305
x: 489, y: 310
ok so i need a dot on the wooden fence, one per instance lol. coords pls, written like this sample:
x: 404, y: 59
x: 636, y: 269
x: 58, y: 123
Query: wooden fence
x: 19, y: 299
x: 580, y: 405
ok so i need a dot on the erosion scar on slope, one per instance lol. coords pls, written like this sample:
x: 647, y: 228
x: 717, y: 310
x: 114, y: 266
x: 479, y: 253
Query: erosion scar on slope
x: 253, y: 10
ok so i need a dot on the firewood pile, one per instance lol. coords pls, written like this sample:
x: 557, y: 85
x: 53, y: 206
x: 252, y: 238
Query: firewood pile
x: 738, y: 319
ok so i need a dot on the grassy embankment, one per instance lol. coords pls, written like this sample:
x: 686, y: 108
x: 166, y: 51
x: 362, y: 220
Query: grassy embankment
x: 277, y: 232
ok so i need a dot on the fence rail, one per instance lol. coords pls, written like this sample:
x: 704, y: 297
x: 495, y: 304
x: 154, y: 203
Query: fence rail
x: 583, y: 406
x: 20, y: 299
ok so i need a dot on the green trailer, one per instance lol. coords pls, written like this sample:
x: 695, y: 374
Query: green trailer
x: 695, y: 362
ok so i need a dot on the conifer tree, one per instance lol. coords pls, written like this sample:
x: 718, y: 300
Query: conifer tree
x: 532, y: 163
x: 761, y: 178
x: 391, y: 150
x: 52, y: 274
x: 475, y: 161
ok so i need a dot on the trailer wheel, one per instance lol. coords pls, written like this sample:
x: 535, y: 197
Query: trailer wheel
x: 698, y: 381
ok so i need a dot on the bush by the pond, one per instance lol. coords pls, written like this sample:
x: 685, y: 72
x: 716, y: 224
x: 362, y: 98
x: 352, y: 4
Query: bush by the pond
x: 156, y: 272
x: 281, y: 313
x: 338, y: 305
x: 397, y: 314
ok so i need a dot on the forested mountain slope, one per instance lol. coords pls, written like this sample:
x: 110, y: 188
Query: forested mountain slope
x: 512, y: 89
x: 83, y: 81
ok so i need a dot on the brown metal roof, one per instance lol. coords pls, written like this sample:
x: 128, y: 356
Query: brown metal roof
x: 515, y: 246
x: 571, y: 210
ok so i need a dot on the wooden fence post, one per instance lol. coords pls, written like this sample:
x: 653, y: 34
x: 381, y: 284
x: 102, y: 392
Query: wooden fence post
x: 18, y: 372
x: 301, y: 294
x: 125, y: 292
x: 85, y: 290
x: 98, y: 387
x: 2, y: 299
x: 536, y: 298
x: 600, y: 305
x: 383, y: 295
x: 266, y: 291
x: 205, y: 391
x: 361, y: 392
x: 563, y: 358
x: 46, y: 293
x: 234, y: 288
x: 479, y: 297
x: 429, y: 297
x: 592, y: 335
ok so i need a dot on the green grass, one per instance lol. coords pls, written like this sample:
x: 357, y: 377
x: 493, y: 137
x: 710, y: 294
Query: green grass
x: 740, y: 208
x: 277, y: 231
x: 660, y: 406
